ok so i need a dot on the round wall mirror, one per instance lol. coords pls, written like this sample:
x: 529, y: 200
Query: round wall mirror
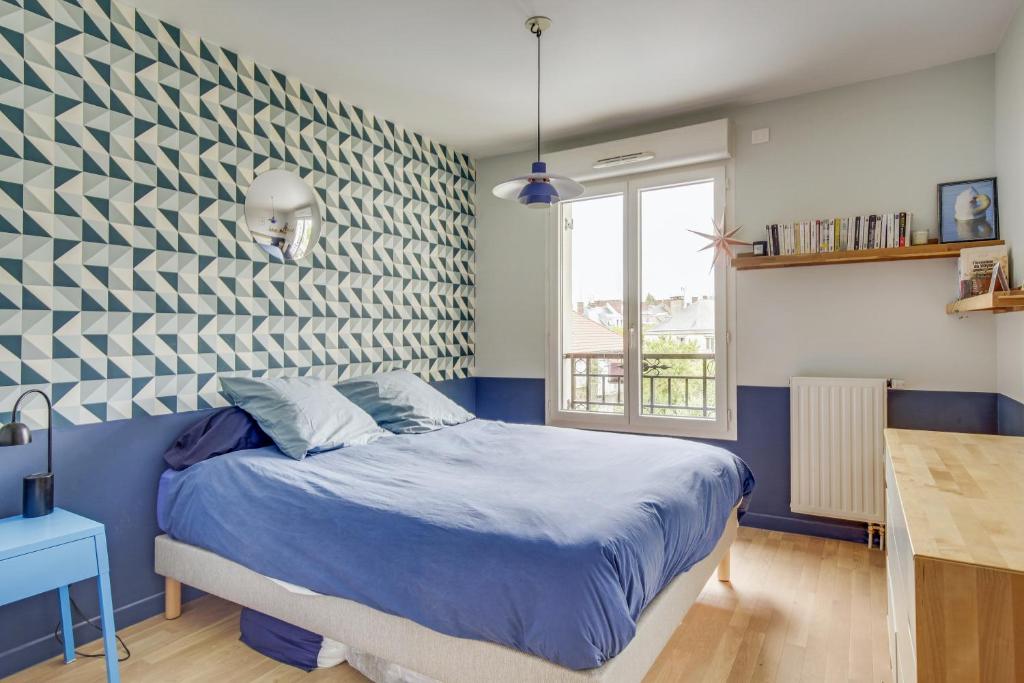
x: 283, y: 215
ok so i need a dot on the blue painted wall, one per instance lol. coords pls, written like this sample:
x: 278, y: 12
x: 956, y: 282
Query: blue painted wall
x: 947, y: 411
x: 1010, y: 416
x: 108, y: 472
x: 462, y: 391
x: 512, y: 399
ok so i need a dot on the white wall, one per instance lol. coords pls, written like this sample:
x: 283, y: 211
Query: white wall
x: 865, y: 320
x: 510, y: 276
x: 1010, y: 169
x: 876, y: 146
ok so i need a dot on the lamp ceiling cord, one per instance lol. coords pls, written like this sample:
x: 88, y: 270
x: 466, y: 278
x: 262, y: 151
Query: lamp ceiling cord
x: 60, y: 638
x: 536, y: 30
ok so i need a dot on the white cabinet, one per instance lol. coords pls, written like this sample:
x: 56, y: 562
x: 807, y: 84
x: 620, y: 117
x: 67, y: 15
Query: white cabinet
x: 899, y: 572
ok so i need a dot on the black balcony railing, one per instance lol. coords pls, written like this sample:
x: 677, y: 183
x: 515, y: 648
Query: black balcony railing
x: 672, y: 384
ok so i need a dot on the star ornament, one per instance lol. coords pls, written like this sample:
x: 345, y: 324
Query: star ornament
x: 721, y: 240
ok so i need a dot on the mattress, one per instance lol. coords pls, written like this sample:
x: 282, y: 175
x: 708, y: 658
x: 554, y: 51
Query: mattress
x: 550, y: 541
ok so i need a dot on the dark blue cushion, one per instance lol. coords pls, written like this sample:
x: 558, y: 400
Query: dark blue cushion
x: 280, y: 640
x: 223, y: 431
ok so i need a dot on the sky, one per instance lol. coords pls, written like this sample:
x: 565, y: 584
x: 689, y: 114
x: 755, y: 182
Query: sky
x: 670, y: 262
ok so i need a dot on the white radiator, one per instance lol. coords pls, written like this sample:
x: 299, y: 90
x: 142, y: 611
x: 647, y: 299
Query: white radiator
x: 836, y: 447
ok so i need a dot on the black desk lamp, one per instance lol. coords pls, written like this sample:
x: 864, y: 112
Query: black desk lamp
x: 36, y: 489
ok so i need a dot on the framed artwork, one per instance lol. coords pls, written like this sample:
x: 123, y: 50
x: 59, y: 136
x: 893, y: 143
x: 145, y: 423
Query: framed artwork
x: 968, y: 211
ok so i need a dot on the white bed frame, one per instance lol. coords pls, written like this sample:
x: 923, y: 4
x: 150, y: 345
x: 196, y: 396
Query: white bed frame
x: 418, y: 648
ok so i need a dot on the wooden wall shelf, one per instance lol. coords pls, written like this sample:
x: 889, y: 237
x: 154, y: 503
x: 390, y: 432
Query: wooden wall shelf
x: 923, y: 251
x: 997, y: 302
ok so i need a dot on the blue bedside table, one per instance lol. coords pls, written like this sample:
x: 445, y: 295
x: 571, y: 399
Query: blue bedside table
x: 46, y: 553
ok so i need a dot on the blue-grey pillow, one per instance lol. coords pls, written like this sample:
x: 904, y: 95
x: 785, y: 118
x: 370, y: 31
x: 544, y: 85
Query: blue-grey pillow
x: 302, y: 414
x: 403, y: 403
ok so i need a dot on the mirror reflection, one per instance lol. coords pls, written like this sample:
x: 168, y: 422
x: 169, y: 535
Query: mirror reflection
x: 282, y: 214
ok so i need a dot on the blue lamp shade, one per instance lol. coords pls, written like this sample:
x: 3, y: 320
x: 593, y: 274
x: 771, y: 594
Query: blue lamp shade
x: 538, y: 194
x: 540, y: 189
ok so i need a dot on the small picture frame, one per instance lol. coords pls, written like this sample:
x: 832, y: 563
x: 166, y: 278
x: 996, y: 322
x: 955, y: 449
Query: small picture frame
x: 760, y: 248
x: 968, y: 211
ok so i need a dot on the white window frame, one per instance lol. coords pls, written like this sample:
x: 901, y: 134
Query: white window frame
x: 559, y: 296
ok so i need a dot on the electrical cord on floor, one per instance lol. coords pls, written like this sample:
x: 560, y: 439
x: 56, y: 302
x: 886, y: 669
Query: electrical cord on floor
x: 60, y: 639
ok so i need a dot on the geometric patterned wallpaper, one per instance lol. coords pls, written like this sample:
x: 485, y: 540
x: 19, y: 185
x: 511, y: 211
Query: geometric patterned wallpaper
x: 128, y: 283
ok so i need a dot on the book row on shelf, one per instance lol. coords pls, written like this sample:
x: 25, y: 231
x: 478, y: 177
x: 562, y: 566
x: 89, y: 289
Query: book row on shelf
x: 873, y: 231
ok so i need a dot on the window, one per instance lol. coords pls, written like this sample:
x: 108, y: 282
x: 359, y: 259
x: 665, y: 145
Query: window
x: 302, y: 232
x: 639, y: 318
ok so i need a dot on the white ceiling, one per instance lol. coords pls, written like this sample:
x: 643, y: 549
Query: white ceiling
x: 462, y: 71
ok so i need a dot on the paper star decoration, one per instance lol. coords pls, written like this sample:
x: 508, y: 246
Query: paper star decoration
x: 722, y: 241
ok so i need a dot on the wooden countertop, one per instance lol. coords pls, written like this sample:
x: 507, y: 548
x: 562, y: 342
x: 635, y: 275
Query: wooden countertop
x: 963, y: 495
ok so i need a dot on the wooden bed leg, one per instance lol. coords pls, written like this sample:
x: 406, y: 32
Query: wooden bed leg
x: 172, y: 598
x: 723, y: 566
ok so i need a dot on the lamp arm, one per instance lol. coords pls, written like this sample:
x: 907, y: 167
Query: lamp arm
x: 49, y: 424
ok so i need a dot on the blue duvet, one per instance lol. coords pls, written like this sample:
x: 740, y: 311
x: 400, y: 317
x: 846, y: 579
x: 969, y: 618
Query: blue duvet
x: 551, y: 541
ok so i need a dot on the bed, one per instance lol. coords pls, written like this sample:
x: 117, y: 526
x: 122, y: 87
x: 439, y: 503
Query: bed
x: 482, y: 551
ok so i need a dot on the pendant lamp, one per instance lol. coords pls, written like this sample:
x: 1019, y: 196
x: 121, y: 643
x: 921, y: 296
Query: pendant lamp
x: 539, y: 189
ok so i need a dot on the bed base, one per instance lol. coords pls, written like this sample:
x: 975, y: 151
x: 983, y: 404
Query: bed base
x: 172, y: 587
x: 418, y: 648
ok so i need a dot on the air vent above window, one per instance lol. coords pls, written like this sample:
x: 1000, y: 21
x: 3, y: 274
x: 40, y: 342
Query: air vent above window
x: 623, y: 159
x: 696, y: 144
